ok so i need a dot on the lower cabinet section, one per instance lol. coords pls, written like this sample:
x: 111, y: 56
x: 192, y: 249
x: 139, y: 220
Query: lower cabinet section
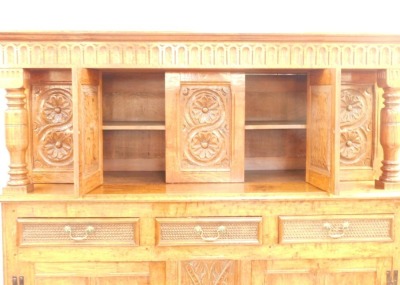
x: 201, y: 243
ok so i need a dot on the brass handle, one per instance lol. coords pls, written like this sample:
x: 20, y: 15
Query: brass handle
x: 14, y: 280
x: 88, y: 230
x: 220, y: 229
x: 336, y: 231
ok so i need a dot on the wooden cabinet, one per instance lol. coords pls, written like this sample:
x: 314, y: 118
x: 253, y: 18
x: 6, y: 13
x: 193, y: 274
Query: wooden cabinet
x: 201, y: 159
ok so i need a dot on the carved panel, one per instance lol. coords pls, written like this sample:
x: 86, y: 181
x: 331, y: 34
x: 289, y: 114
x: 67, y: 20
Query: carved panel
x: 356, y: 125
x: 91, y: 129
x: 205, y: 132
x: 320, y: 130
x: 208, y: 272
x: 52, y: 127
x: 200, y: 54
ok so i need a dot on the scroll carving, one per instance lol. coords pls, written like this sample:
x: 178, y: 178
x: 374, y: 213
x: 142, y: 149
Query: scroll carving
x: 205, y: 127
x: 356, y: 125
x: 52, y: 127
x: 205, y: 272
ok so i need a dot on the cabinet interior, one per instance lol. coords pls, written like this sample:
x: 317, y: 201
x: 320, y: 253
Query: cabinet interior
x: 134, y: 126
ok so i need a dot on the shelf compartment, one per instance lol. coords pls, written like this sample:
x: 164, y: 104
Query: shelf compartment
x: 134, y: 126
x: 274, y: 125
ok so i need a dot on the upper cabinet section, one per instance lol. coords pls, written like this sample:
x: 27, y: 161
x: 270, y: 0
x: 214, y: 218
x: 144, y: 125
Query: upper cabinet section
x: 87, y: 111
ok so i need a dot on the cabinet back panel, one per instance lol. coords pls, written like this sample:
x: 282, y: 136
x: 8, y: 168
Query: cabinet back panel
x: 134, y: 150
x: 276, y: 97
x: 133, y: 97
x: 275, y: 149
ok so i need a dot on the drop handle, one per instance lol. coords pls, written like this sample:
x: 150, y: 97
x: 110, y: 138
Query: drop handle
x: 88, y: 231
x: 336, y: 231
x: 219, y: 231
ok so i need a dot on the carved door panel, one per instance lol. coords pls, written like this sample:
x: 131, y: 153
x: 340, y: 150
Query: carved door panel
x: 358, y: 126
x: 100, y: 273
x: 322, y: 163
x: 204, y: 127
x: 321, y: 272
x: 209, y: 272
x: 87, y: 130
x: 51, y: 117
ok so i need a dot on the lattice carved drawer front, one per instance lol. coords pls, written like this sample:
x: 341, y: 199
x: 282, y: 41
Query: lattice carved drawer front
x: 84, y: 231
x: 338, y: 228
x: 203, y: 231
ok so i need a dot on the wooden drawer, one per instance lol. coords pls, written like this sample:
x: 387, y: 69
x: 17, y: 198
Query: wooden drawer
x: 337, y: 228
x: 211, y: 230
x: 83, y: 231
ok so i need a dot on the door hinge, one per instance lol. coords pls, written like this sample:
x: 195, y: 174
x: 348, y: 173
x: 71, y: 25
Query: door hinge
x: 18, y: 281
x: 391, y: 279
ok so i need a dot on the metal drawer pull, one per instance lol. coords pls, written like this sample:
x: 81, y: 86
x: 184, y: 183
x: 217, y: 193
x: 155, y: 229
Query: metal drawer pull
x: 336, y: 231
x: 88, y: 230
x: 220, y: 229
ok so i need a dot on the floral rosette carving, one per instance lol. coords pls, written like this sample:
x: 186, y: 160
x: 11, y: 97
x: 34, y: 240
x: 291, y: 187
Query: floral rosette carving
x: 57, y: 108
x: 57, y: 147
x: 205, y: 146
x: 206, y: 109
x: 356, y: 125
x: 353, y: 107
x: 205, y: 128
x: 52, y: 114
x: 352, y: 145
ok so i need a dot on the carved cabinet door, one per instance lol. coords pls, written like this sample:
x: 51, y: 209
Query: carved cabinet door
x: 204, y: 127
x: 322, y: 163
x: 87, y: 130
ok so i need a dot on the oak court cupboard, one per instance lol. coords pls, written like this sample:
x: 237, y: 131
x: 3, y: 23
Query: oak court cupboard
x: 237, y: 159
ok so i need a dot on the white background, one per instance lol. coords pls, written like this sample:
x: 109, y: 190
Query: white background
x: 250, y: 16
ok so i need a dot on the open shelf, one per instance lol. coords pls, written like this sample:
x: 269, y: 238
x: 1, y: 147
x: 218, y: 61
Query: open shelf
x: 274, y: 125
x: 133, y: 126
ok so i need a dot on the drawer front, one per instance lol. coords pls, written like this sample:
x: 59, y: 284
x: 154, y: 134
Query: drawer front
x: 338, y: 228
x: 204, y: 231
x: 71, y: 232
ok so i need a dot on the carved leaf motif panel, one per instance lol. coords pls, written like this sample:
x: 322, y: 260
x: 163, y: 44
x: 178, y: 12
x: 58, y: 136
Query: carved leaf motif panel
x: 208, y: 272
x: 205, y: 132
x: 52, y: 127
x: 356, y: 125
x: 91, y: 129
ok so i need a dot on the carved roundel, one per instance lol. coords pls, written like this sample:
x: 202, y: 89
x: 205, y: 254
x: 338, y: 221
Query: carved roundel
x: 205, y: 147
x: 354, y: 107
x: 205, y: 107
x: 56, y: 106
x: 352, y: 146
x: 57, y: 148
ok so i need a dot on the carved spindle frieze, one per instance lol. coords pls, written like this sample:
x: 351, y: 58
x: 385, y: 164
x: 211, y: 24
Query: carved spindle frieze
x: 389, y: 80
x: 16, y: 127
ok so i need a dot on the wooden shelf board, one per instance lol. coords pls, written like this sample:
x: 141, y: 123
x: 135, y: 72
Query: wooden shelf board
x: 274, y: 125
x: 134, y: 126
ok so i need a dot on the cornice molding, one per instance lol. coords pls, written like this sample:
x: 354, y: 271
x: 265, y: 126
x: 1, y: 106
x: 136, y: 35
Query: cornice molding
x: 197, y: 51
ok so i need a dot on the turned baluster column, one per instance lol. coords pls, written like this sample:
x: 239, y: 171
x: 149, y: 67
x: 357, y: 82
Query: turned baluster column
x: 16, y: 131
x: 389, y: 80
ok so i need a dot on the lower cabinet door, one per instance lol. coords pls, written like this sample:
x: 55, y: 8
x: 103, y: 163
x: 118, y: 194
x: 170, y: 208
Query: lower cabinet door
x: 321, y: 272
x: 105, y: 273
